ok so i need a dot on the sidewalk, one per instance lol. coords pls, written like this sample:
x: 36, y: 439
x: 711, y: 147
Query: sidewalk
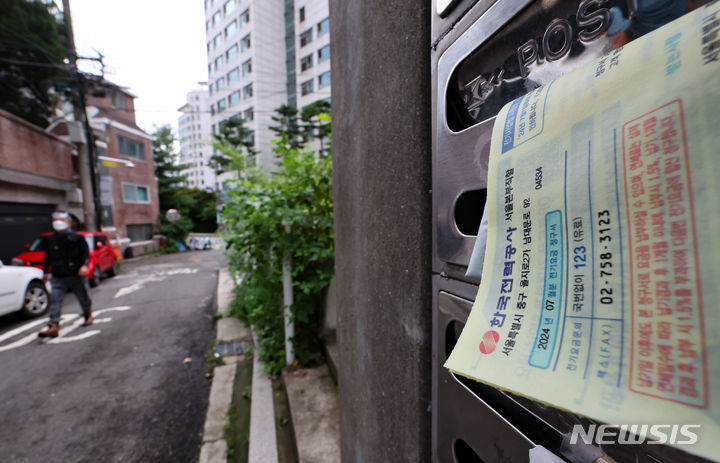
x: 312, y: 396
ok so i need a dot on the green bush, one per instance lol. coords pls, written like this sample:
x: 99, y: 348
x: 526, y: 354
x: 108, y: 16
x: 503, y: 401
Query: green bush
x: 272, y: 217
x: 174, y: 232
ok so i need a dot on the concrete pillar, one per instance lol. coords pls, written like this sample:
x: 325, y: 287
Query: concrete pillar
x: 382, y: 159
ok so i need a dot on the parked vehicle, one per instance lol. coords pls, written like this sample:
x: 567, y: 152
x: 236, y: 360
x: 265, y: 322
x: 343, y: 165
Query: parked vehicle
x: 22, y: 289
x: 102, y: 256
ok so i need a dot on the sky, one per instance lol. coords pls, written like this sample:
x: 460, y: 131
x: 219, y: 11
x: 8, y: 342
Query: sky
x: 156, y: 48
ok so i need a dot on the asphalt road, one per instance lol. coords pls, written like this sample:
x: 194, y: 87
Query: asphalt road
x: 120, y: 390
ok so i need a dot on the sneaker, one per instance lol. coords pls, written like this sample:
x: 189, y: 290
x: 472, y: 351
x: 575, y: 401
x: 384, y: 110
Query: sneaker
x: 89, y: 320
x: 52, y: 331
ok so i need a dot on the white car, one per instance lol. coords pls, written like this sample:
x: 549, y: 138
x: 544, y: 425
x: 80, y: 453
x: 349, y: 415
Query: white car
x: 22, y: 289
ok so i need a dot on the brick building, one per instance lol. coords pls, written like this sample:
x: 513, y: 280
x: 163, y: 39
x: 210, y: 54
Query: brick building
x: 129, y: 190
x: 36, y: 177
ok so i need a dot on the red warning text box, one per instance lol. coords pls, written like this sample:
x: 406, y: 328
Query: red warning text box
x: 668, y: 359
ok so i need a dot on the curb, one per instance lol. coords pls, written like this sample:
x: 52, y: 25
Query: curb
x: 263, y: 440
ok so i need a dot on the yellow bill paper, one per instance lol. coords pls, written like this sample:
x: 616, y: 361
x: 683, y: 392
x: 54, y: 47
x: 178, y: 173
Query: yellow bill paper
x: 600, y: 289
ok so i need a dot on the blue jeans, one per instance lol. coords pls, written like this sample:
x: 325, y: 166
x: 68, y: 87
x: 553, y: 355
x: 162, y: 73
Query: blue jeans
x: 60, y: 286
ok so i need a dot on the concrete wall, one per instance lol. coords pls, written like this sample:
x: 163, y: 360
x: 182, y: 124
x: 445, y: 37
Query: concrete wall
x: 382, y: 157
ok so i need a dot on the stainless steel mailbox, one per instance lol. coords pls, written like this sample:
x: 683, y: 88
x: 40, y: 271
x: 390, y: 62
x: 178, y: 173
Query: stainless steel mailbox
x: 486, y: 53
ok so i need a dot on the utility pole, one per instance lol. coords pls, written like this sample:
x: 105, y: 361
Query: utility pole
x: 88, y: 183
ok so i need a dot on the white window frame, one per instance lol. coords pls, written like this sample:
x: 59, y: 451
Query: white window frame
x: 136, y: 185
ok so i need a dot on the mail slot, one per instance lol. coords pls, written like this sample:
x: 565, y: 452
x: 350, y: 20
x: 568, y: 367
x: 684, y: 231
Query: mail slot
x: 486, y: 54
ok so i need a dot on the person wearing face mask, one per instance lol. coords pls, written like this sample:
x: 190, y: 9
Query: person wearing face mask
x: 66, y: 256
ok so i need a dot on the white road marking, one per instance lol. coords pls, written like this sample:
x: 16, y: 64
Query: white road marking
x: 121, y: 308
x: 128, y: 289
x: 17, y: 331
x: 159, y: 275
x: 63, y: 337
x: 30, y: 337
x: 20, y: 342
x: 85, y: 335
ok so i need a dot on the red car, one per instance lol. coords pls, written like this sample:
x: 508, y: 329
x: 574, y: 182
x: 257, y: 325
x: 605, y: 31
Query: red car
x: 102, y: 255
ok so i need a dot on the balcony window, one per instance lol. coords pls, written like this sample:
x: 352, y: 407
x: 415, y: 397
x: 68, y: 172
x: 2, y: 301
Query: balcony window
x: 249, y: 115
x: 324, y: 80
x: 306, y: 87
x: 245, y: 43
x: 324, y: 54
x: 217, y: 17
x: 306, y: 62
x: 233, y: 76
x: 221, y: 106
x: 234, y: 98
x: 323, y: 27
x: 219, y: 84
x: 232, y: 53
x: 217, y: 41
x: 229, y: 7
x: 306, y: 37
x: 247, y: 91
x: 231, y: 29
x: 245, y: 17
x: 247, y: 67
x: 219, y: 63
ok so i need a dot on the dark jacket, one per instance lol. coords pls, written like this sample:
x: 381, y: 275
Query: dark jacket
x: 65, y: 253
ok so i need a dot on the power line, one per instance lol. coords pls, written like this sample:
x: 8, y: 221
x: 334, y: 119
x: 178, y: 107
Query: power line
x: 33, y: 63
x: 29, y: 40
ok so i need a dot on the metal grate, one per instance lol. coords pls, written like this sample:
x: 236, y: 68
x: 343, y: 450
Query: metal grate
x: 226, y: 348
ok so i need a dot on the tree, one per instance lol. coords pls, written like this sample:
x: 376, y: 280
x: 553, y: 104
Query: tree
x: 287, y: 119
x: 315, y: 122
x: 167, y: 170
x: 199, y: 206
x: 271, y: 218
x: 235, y: 145
x: 32, y: 59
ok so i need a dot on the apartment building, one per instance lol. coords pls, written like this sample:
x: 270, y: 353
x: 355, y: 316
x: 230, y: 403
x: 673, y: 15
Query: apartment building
x: 194, y: 135
x: 262, y: 55
x: 312, y: 51
x: 246, y: 66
